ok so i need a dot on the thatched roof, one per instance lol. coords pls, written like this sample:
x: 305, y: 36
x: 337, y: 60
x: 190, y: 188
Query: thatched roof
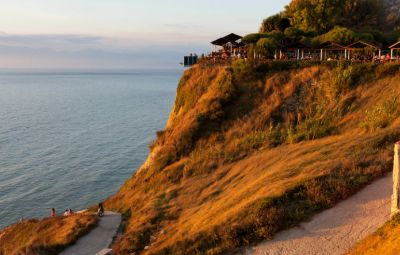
x: 231, y: 38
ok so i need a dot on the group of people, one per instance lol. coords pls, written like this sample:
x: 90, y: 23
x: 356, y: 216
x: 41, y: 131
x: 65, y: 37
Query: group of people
x: 69, y: 212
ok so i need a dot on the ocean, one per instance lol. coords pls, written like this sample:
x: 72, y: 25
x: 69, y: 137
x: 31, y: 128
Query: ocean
x: 69, y: 139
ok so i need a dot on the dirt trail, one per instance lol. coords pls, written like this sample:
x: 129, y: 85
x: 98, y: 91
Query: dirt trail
x: 336, y: 230
x: 97, y: 239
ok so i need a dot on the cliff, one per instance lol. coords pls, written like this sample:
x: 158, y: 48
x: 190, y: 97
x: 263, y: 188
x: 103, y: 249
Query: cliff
x: 250, y: 151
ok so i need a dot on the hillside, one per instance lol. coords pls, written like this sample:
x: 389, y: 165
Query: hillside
x: 46, y: 236
x: 384, y: 241
x: 251, y: 151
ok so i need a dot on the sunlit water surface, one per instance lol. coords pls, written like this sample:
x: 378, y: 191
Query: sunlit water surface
x: 70, y: 139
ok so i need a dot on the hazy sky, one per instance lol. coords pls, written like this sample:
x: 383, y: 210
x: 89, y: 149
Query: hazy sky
x: 120, y: 33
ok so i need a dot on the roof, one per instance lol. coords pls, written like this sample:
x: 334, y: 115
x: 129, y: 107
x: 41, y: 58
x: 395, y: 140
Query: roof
x: 231, y: 38
x: 362, y: 44
x: 331, y: 46
x: 395, y: 46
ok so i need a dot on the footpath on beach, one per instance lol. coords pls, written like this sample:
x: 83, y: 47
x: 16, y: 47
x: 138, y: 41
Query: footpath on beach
x: 336, y: 230
x: 98, y: 240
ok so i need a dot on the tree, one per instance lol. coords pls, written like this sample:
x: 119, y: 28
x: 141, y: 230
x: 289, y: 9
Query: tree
x: 313, y: 15
x: 266, y: 46
x: 339, y: 35
x: 323, y: 15
x: 274, y: 23
x: 362, y: 14
x: 292, y: 32
x: 251, y: 38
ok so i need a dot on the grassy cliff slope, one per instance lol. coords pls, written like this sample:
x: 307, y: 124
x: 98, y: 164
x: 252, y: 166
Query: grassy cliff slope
x: 385, y: 240
x: 251, y: 151
x: 46, y: 236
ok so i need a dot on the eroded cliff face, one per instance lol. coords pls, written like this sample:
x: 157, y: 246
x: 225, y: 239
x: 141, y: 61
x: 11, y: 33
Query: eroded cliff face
x: 245, y: 147
x: 198, y: 94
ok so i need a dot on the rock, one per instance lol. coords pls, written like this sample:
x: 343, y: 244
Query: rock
x: 152, y: 238
x: 162, y: 232
x: 146, y: 247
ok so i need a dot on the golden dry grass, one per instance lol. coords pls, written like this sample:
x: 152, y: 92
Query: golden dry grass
x: 385, y: 241
x: 241, y: 152
x: 46, y: 236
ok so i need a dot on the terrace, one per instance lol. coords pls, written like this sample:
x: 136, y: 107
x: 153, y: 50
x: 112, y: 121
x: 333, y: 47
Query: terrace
x: 231, y: 47
x: 395, y: 51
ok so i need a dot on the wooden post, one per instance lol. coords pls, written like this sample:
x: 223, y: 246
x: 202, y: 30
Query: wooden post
x: 391, y: 54
x: 396, y: 181
x: 322, y: 55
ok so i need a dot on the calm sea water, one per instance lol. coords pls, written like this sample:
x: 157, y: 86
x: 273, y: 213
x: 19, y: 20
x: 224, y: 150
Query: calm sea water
x: 71, y: 139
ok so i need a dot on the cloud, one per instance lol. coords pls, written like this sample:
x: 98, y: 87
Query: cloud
x: 88, y: 51
x: 56, y: 42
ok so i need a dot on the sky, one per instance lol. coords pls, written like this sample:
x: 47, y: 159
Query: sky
x: 120, y: 34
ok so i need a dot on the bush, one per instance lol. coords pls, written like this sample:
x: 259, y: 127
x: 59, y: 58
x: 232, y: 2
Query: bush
x: 292, y: 32
x: 284, y: 65
x: 312, y: 128
x: 387, y: 70
x: 349, y: 76
x: 339, y: 35
x: 382, y: 115
x: 241, y: 70
x: 266, y: 46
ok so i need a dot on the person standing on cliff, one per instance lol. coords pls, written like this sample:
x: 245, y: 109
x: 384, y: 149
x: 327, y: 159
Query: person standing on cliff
x: 53, y: 212
x: 100, y: 211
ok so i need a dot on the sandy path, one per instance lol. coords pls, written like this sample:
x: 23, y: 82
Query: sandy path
x: 97, y: 239
x: 336, y: 230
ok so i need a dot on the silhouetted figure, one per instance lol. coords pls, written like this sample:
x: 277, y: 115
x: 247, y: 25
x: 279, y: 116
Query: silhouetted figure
x: 53, y: 212
x: 100, y: 211
x: 68, y: 212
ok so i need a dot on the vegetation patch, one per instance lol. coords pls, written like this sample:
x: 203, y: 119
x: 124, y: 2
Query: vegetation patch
x: 382, y: 115
x: 385, y: 240
x: 259, y: 151
x: 265, y: 217
x: 45, y: 237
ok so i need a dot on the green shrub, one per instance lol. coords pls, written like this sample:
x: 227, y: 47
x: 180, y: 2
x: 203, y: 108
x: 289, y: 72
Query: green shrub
x: 382, y: 115
x: 253, y: 141
x: 339, y: 35
x: 350, y: 76
x: 386, y: 70
x: 284, y: 65
x: 241, y: 70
